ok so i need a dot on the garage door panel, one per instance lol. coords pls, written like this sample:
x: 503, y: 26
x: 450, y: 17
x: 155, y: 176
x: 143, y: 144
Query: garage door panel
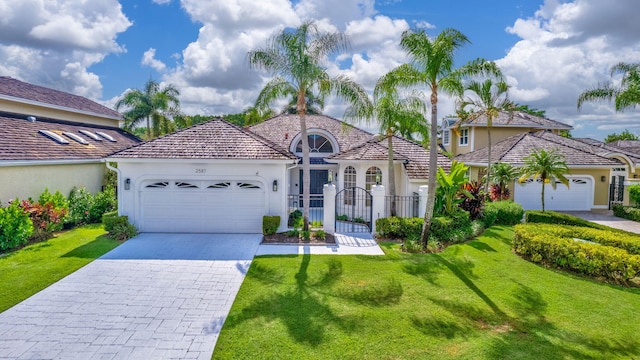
x: 202, y: 206
x: 578, y: 196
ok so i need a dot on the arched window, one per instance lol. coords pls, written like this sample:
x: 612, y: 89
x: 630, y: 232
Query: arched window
x: 373, y: 176
x: 349, y: 183
x: 317, y: 144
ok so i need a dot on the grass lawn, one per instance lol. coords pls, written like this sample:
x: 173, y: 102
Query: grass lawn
x: 473, y: 301
x: 26, y: 271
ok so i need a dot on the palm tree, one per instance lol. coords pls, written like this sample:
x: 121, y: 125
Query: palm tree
x: 501, y: 176
x: 396, y: 115
x: 151, y: 103
x: 548, y: 166
x: 626, y: 96
x: 432, y: 65
x: 294, y: 58
x: 488, y: 99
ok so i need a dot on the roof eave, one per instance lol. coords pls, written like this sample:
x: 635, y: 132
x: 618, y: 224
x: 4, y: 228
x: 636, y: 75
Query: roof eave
x: 58, y: 107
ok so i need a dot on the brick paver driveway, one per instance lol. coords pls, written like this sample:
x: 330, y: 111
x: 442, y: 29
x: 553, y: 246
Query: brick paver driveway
x: 157, y: 296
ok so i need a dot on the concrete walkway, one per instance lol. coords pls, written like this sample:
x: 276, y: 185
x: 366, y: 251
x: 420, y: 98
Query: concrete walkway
x: 157, y: 296
x: 607, y: 218
x: 346, y: 244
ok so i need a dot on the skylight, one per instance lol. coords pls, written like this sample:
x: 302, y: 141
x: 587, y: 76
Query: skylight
x: 106, y: 136
x: 90, y: 134
x: 53, y: 136
x: 75, y: 137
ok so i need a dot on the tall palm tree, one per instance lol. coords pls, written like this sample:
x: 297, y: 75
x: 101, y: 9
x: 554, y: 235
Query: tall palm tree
x: 548, y: 166
x: 626, y: 96
x: 396, y: 115
x: 295, y: 59
x: 151, y: 103
x: 488, y: 99
x: 432, y: 65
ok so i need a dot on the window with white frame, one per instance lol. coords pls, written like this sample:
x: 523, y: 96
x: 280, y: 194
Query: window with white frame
x: 446, y: 134
x: 373, y: 176
x: 349, y: 182
x: 464, y: 137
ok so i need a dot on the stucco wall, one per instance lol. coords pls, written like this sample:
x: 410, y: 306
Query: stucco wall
x: 30, y: 109
x: 137, y: 173
x: 30, y: 181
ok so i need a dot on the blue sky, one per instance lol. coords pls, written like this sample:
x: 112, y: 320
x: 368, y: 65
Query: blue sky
x: 550, y: 50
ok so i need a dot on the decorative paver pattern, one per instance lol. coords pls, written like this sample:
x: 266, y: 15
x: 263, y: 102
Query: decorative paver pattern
x: 157, y: 296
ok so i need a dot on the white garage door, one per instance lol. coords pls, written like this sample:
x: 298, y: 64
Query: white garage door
x: 578, y: 196
x: 197, y: 206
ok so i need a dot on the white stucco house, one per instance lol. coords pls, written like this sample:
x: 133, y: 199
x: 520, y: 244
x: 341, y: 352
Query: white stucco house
x: 218, y: 177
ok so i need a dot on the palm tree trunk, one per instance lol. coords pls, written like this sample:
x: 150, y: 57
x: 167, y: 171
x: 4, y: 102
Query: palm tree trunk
x: 306, y: 167
x: 148, y: 129
x: 486, y: 185
x: 542, y: 195
x: 392, y: 173
x: 433, y: 169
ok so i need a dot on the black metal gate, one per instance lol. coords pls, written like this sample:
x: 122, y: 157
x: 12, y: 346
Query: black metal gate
x: 353, y: 210
x: 616, y: 190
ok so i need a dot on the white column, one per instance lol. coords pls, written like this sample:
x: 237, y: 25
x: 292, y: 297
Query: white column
x: 422, y: 203
x: 377, y: 205
x: 329, y: 206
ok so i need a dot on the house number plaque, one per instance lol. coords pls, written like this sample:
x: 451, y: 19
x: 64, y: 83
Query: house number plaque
x: 201, y: 170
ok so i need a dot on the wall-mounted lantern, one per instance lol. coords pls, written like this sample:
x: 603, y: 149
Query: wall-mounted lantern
x: 603, y: 178
x: 127, y: 184
x: 275, y: 185
x: 330, y: 177
x: 378, y: 178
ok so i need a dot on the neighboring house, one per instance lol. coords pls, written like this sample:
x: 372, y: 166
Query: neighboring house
x: 218, y: 177
x: 52, y: 139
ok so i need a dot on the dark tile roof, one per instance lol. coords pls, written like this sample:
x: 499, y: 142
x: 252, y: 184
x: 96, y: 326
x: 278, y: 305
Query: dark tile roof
x: 282, y: 129
x: 606, y: 149
x: 513, y: 149
x: 214, y: 139
x: 520, y: 119
x: 18, y: 89
x: 414, y: 156
x: 629, y: 145
x: 21, y: 140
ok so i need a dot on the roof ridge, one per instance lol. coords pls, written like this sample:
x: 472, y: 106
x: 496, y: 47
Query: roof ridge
x: 553, y: 140
x: 517, y: 141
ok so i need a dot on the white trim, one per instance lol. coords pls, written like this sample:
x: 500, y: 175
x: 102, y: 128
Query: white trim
x: 58, y: 107
x: 472, y: 138
x: 200, y: 161
x: 448, y: 138
x: 6, y: 163
x: 325, y: 133
x: 590, y: 200
x: 461, y: 137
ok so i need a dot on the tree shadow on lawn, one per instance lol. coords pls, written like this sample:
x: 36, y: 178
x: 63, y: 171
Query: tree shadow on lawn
x: 92, y: 249
x: 526, y: 334
x: 300, y: 309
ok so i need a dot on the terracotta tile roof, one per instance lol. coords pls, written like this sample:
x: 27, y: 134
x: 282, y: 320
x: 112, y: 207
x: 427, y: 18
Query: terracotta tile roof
x: 513, y: 149
x: 18, y: 89
x: 21, y: 140
x: 282, y: 130
x: 415, y: 157
x: 214, y: 139
x: 520, y: 119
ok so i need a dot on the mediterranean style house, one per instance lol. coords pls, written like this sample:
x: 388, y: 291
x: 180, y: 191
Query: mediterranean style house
x: 55, y: 140
x: 218, y: 177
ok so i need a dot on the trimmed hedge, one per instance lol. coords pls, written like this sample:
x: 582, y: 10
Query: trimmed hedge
x: 110, y: 222
x: 552, y: 217
x: 627, y: 212
x: 505, y: 212
x: 270, y: 224
x: 609, y: 236
x: 554, y: 245
x: 444, y: 230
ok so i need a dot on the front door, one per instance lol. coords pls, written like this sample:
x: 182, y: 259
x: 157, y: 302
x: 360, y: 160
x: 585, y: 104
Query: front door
x: 318, y: 179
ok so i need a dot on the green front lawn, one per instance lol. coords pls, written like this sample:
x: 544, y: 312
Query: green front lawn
x: 26, y: 271
x: 473, y: 301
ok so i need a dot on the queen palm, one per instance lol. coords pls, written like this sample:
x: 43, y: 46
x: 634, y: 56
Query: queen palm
x: 625, y: 96
x: 432, y: 65
x: 295, y: 59
x: 548, y: 166
x: 485, y: 99
x: 153, y: 102
x: 396, y: 115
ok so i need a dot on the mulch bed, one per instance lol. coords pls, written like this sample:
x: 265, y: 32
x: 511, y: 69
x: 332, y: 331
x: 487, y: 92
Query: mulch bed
x: 283, y: 238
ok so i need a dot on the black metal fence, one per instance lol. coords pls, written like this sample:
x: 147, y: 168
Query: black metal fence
x: 405, y: 206
x: 353, y: 210
x: 316, y: 210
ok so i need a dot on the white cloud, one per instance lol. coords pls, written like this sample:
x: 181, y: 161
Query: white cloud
x: 54, y: 43
x: 338, y: 12
x: 148, y: 58
x: 567, y: 48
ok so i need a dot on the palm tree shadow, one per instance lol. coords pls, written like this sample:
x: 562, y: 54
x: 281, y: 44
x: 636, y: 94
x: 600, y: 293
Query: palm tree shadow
x: 304, y: 314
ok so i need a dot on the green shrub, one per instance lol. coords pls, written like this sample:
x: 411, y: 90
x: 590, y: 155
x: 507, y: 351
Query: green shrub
x: 316, y: 223
x: 123, y: 231
x: 609, y: 236
x: 295, y: 219
x: 110, y: 222
x: 15, y: 226
x: 553, y: 246
x: 270, y: 224
x: 627, y: 212
x: 342, y: 217
x: 553, y: 217
x: 103, y: 201
x: 320, y: 234
x: 59, y: 202
x: 634, y: 194
x: 305, y: 235
x: 489, y: 215
x: 507, y: 212
x: 80, y: 202
x: 45, y: 218
x: 412, y: 246
x: 293, y: 233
